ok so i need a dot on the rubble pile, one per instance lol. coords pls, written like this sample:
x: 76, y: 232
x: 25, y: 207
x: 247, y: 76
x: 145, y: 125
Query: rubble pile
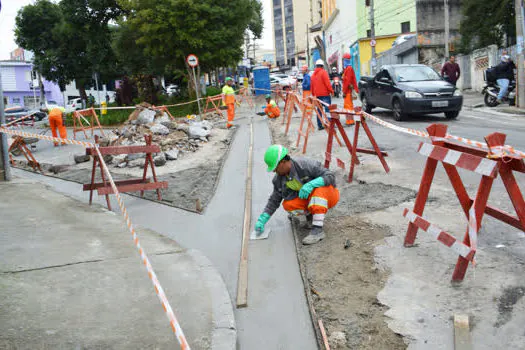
x: 173, y: 137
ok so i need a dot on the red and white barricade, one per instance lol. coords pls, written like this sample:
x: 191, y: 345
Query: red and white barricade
x: 453, y: 155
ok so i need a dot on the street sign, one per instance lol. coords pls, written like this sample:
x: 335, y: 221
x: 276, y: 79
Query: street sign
x: 192, y: 60
x: 373, y: 43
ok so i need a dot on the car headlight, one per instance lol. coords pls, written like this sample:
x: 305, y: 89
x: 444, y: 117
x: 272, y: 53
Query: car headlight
x: 457, y: 93
x: 413, y: 94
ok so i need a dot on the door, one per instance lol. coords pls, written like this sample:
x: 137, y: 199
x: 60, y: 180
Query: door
x: 384, y: 89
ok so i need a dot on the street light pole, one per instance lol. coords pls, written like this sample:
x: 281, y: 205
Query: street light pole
x: 447, y: 30
x: 373, y: 36
x: 518, y: 8
x: 5, y: 170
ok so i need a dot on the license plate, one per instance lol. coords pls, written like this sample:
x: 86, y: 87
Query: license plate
x: 439, y: 103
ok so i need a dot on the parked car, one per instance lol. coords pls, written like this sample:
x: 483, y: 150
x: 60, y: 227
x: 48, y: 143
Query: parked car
x: 173, y: 89
x: 14, y: 113
x: 52, y: 104
x: 74, y: 105
x: 283, y: 80
x: 410, y: 89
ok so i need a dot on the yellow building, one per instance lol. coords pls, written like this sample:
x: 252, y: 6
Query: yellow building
x: 383, y: 43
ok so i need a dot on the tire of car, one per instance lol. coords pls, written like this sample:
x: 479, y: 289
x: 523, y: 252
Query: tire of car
x: 364, y: 103
x: 451, y: 114
x: 399, y: 114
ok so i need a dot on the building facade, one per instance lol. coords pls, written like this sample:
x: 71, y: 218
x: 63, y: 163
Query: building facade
x: 291, y: 19
x: 21, y: 86
x: 340, y: 31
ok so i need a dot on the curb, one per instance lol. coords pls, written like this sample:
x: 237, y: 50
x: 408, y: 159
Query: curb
x: 224, y: 333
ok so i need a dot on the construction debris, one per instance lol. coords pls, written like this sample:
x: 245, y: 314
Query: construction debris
x: 173, y: 137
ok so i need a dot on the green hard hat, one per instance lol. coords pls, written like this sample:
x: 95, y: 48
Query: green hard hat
x: 274, y: 154
x: 228, y: 78
x: 268, y: 96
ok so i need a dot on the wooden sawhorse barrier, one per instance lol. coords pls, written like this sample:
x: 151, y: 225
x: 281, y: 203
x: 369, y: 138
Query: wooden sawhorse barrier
x: 244, y: 95
x: 483, y: 162
x: 359, y: 120
x: 133, y: 185
x: 20, y: 144
x: 79, y: 126
x: 213, y: 104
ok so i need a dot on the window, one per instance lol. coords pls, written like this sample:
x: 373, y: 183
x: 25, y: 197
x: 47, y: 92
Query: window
x: 367, y: 3
x: 368, y: 33
x: 405, y: 27
x: 16, y: 100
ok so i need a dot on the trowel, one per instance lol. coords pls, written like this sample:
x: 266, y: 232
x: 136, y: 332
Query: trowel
x: 263, y: 235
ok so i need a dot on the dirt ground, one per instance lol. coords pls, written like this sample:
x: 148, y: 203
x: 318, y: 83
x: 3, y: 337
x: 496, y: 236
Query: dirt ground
x: 344, y: 282
x: 191, y: 178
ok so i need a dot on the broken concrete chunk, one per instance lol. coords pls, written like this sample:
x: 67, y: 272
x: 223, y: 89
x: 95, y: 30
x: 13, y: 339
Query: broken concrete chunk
x: 81, y: 158
x: 159, y: 160
x: 108, y: 158
x: 172, y: 154
x: 337, y: 339
x: 119, y: 158
x: 196, y: 132
x: 146, y: 116
x: 160, y: 129
x: 136, y: 163
x: 163, y: 119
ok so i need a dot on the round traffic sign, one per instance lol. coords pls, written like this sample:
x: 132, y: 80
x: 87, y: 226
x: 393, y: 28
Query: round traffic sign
x: 373, y: 43
x: 192, y: 60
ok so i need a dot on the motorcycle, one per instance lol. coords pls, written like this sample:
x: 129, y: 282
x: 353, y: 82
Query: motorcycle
x: 336, y: 86
x: 491, y: 91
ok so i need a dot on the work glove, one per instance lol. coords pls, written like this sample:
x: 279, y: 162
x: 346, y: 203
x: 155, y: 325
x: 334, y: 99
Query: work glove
x: 308, y: 187
x: 263, y: 219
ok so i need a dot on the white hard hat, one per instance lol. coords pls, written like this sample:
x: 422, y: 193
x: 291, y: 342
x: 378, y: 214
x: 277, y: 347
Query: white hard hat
x: 319, y: 62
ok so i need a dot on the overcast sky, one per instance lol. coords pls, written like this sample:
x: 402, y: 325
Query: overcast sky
x: 11, y: 7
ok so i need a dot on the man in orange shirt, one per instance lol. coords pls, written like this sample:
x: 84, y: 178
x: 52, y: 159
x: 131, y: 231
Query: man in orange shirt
x: 56, y: 121
x: 321, y: 88
x: 271, y: 110
x: 349, y: 86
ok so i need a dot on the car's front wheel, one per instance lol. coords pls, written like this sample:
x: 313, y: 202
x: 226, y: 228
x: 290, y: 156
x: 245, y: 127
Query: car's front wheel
x: 399, y: 114
x: 451, y: 114
x: 365, y: 105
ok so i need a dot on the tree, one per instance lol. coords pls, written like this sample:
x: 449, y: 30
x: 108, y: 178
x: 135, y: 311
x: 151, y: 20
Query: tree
x: 498, y: 23
x: 70, y: 40
x: 169, y: 30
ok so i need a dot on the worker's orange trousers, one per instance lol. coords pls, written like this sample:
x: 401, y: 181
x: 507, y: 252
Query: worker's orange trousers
x: 349, y: 104
x: 321, y: 199
x: 231, y: 114
x: 55, y: 122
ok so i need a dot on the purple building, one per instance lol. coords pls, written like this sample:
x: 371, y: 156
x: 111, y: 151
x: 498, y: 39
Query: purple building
x: 18, y: 84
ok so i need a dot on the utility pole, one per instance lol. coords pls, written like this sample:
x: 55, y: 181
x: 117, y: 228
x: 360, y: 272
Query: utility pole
x: 307, y: 46
x: 447, y: 30
x: 373, y: 36
x: 518, y: 8
x: 5, y: 170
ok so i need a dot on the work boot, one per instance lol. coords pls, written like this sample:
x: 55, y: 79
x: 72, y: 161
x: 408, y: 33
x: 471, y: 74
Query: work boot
x: 308, y: 224
x: 316, y: 235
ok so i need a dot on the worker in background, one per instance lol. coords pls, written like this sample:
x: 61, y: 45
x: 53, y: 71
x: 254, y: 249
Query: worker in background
x: 271, y: 110
x: 306, y: 89
x: 350, y: 89
x: 228, y: 100
x: 304, y: 187
x: 321, y: 89
x: 450, y: 71
x: 57, y: 121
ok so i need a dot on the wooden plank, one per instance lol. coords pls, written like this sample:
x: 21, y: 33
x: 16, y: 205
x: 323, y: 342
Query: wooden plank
x: 114, y: 150
x: 89, y: 187
x: 133, y: 187
x: 462, y: 338
x: 242, y: 283
x: 370, y: 151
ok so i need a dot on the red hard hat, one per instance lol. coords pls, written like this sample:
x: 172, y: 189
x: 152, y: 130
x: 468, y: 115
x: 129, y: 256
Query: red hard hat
x: 347, y: 55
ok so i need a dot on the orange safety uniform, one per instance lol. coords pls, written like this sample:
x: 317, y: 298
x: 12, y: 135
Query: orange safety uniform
x: 320, y: 200
x: 56, y: 122
x: 272, y: 110
x: 228, y: 99
x: 349, y: 85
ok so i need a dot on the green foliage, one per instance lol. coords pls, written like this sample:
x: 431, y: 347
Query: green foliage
x: 486, y: 22
x: 213, y: 91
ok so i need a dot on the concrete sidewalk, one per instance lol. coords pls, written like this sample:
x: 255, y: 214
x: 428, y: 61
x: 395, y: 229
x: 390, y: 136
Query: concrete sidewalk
x: 70, y: 277
x: 474, y: 99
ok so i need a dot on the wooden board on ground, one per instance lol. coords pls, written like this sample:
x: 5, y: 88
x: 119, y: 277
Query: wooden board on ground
x: 462, y: 339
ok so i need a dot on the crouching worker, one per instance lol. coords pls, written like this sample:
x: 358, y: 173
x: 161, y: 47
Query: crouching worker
x: 304, y: 187
x: 271, y: 110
